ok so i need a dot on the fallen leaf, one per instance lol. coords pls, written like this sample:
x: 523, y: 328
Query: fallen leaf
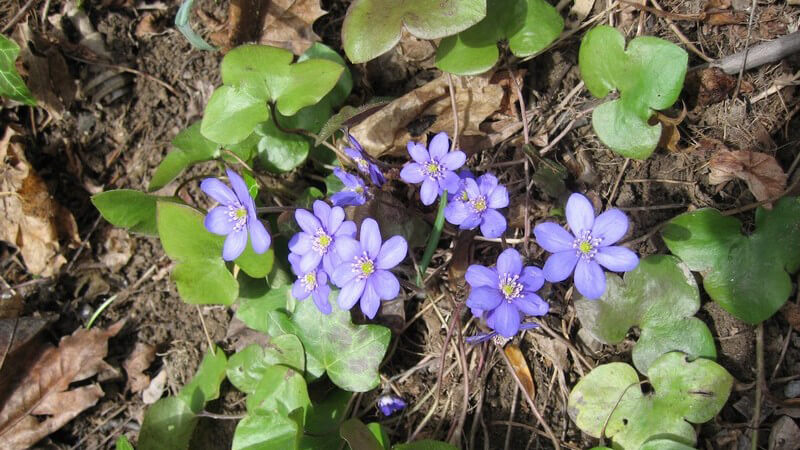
x: 520, y: 366
x: 716, y: 17
x: 386, y: 132
x: 579, y: 12
x: 785, y: 435
x: 148, y: 26
x: 555, y: 351
x: 30, y: 218
x: 41, y: 390
x: 136, y: 363
x: 155, y: 390
x: 280, y: 23
x: 670, y: 135
x: 118, y: 247
x: 763, y: 175
x: 21, y: 330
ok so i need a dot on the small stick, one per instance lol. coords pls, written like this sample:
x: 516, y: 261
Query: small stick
x: 681, y: 36
x: 618, y: 180
x: 127, y: 69
x: 205, y: 330
x: 746, y: 49
x: 17, y: 16
x: 764, y: 53
x: 511, y: 416
x: 759, y: 383
x: 455, y: 110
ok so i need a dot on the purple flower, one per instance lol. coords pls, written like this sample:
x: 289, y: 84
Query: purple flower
x: 234, y: 217
x: 390, y: 404
x: 461, y: 192
x: 483, y: 198
x: 354, y: 192
x: 434, y: 168
x: 586, y: 248
x: 364, y: 272
x: 483, y: 337
x: 321, y: 232
x: 505, y: 291
x: 356, y: 153
x: 313, y: 283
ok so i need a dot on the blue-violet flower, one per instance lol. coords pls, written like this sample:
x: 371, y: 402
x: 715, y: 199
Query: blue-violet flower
x: 354, y: 192
x: 483, y: 198
x: 364, y: 272
x: 507, y: 290
x: 390, y: 404
x: 483, y: 337
x: 321, y: 233
x: 588, y: 247
x: 433, y: 167
x: 313, y: 283
x: 461, y: 192
x: 356, y: 153
x: 235, y: 216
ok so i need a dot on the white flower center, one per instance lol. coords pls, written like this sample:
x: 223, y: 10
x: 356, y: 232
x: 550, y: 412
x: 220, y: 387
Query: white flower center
x: 479, y: 204
x: 237, y: 214
x: 586, y: 246
x: 309, y: 281
x: 433, y: 170
x: 510, y: 287
x: 363, y: 266
x: 321, y: 241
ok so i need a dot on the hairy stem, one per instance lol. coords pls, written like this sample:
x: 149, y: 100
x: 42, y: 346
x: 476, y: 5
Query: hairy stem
x: 433, y: 242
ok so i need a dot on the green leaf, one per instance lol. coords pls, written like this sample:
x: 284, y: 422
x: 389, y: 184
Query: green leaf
x: 246, y: 368
x: 747, y: 275
x: 373, y: 27
x: 349, y: 353
x: 200, y: 273
x: 425, y: 444
x: 659, y: 296
x: 358, y: 435
x: 11, y: 84
x: 232, y: 113
x: 168, y: 425
x: 380, y: 435
x: 324, y: 417
x: 123, y: 443
x: 190, y: 147
x: 665, y: 444
x: 281, y: 389
x: 183, y: 25
x: 264, y: 309
x: 206, y: 381
x: 686, y: 392
x: 279, y: 151
x: 528, y: 25
x: 254, y: 264
x: 342, y: 89
x: 130, y: 209
x: 268, y: 431
x: 648, y: 75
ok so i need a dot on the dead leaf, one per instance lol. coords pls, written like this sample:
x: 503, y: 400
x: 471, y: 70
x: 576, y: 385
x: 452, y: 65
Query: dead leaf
x: 555, y: 351
x: 520, y: 366
x: 155, y: 390
x: 30, y: 218
x: 119, y: 248
x: 386, y: 131
x: 579, y: 12
x: 148, y: 26
x: 785, y: 435
x: 41, y: 390
x: 137, y: 362
x: 10, y: 306
x: 763, y: 175
x: 670, y: 135
x: 280, y: 23
x: 716, y: 17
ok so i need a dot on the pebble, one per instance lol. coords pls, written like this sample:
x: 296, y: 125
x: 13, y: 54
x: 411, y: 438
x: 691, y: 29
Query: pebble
x: 792, y: 390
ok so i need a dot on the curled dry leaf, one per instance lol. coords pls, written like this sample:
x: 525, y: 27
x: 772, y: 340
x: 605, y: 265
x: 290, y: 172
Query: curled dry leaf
x: 38, y: 387
x: 137, y: 362
x: 763, y: 175
x: 155, y: 390
x: 520, y: 366
x: 30, y: 218
x: 386, y: 131
x: 670, y: 135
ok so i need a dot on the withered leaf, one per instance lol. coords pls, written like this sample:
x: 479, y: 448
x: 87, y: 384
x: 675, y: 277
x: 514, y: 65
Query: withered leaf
x: 136, y: 363
x: 763, y: 175
x: 520, y: 366
x: 41, y: 389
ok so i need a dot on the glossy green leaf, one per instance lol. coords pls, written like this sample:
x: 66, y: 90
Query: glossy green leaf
x: 168, y: 425
x: 189, y: 147
x: 747, y: 275
x: 660, y: 296
x: 246, y: 368
x: 205, y: 381
x: 11, y: 84
x: 281, y: 389
x: 425, y: 444
x: 373, y: 27
x: 649, y: 76
x: 123, y: 443
x: 380, y: 435
x: 325, y: 416
x: 267, y: 431
x: 358, y: 436
x: 685, y: 392
x: 665, y: 444
x: 264, y: 309
x: 528, y: 25
x: 279, y: 151
x: 130, y: 209
x: 232, y: 113
x: 342, y: 89
x: 254, y: 264
x: 200, y: 272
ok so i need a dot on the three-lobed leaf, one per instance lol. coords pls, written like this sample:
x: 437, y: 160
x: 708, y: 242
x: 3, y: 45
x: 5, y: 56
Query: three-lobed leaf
x: 266, y: 431
x: 11, y: 84
x: 747, y: 275
x: 649, y: 76
x: 130, y: 209
x: 528, y: 25
x: 660, y: 296
x: 246, y: 367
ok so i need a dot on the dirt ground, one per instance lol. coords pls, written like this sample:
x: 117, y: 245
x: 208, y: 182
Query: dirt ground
x: 116, y: 140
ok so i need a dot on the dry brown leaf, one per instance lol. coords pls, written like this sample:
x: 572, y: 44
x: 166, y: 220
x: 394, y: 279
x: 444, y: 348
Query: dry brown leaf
x: 716, y: 17
x: 155, y: 390
x: 785, y: 435
x: 136, y: 363
x: 520, y: 366
x: 670, y: 135
x: 280, y: 23
x: 554, y: 350
x: 386, y: 132
x: 763, y: 175
x: 30, y: 218
x: 41, y: 389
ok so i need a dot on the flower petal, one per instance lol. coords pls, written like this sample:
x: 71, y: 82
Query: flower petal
x: 218, y: 191
x: 418, y: 152
x: 346, y: 229
x: 450, y: 182
x: 370, y: 300
x: 320, y: 296
x: 385, y: 284
x: 493, y: 224
x: 351, y: 293
x: 532, y: 278
x: 218, y: 221
x: 307, y: 221
x: 347, y: 198
x: 239, y: 186
x: 309, y: 261
x: 486, y: 183
x: 580, y: 213
x: 347, y: 179
x: 429, y: 191
x: 498, y: 197
x: 323, y: 212
x: 439, y: 146
x: 559, y: 265
x: 330, y: 261
x: 610, y: 226
x: 509, y: 262
x: 370, y: 237
x: 453, y: 160
x: 376, y: 176
x: 348, y: 248
x: 259, y: 238
x: 616, y: 258
x: 335, y: 219
x: 354, y: 142
x: 553, y: 237
x: 478, y: 276
x: 590, y: 280
x: 234, y: 245
x: 472, y: 220
x: 504, y: 319
x: 412, y: 173
x: 392, y: 252
x: 531, y: 304
x: 455, y: 212
x: 300, y: 243
x: 298, y: 290
x: 343, y: 274
x: 471, y: 186
x: 485, y: 298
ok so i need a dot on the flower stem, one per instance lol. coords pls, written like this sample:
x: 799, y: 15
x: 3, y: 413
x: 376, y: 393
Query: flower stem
x: 433, y: 242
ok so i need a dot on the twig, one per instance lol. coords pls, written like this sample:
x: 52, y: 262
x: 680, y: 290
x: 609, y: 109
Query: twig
x: 205, y: 330
x: 764, y: 53
x: 455, y: 110
x: 617, y: 181
x: 17, y: 16
x: 759, y: 384
x: 681, y: 36
x: 239, y: 160
x: 511, y: 416
x: 126, y: 69
x: 221, y: 416
x: 746, y: 49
